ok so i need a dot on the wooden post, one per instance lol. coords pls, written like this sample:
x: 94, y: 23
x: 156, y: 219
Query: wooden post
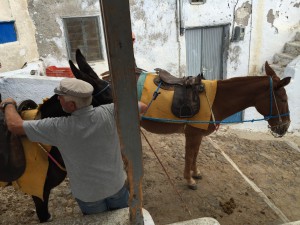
x: 117, y: 29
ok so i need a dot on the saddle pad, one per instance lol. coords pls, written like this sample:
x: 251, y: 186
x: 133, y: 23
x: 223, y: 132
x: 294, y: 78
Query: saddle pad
x: 33, y: 180
x: 161, y: 107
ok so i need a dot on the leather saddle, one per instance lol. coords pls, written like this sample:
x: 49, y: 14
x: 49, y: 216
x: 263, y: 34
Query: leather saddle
x: 12, y: 157
x: 186, y: 100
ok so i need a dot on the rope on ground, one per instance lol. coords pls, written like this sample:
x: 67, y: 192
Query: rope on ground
x: 166, y: 172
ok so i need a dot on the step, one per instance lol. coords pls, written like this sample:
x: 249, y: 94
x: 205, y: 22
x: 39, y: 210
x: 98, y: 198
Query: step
x: 199, y: 221
x: 282, y: 59
x: 120, y: 217
x: 292, y: 48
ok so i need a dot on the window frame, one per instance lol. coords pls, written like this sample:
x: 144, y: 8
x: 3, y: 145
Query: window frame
x: 12, y: 35
x: 99, y: 33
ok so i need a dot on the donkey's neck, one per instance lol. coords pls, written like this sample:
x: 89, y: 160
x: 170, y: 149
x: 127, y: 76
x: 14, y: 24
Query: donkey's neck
x: 236, y: 94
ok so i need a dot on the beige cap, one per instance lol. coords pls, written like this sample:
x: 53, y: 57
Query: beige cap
x: 74, y: 87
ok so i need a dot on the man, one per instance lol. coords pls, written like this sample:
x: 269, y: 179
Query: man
x: 88, y: 142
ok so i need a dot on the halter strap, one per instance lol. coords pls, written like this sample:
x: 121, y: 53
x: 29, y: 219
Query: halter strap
x: 107, y: 86
x: 272, y: 95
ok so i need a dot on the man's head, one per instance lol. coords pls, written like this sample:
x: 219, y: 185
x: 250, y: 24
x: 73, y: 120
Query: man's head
x: 74, y: 94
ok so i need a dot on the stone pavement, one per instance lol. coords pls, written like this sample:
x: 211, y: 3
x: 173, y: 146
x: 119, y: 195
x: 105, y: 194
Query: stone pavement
x: 121, y: 217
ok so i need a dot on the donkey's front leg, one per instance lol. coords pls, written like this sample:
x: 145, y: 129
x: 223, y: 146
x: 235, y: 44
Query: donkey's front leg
x: 192, y: 144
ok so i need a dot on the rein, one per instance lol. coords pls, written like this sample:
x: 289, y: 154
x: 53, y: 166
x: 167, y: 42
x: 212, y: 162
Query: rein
x: 155, y: 94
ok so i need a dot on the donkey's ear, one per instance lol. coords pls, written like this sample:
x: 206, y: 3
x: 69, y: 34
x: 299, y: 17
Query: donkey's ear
x: 269, y: 71
x: 81, y: 61
x: 285, y: 81
x: 83, y: 65
x: 77, y: 73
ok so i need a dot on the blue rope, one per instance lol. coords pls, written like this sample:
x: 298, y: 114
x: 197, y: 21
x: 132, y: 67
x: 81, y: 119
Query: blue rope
x: 155, y: 94
x: 209, y: 122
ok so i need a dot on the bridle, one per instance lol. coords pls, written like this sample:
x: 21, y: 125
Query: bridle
x: 100, y: 92
x: 280, y: 123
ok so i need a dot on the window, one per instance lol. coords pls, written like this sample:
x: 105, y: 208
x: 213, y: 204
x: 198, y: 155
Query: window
x: 7, y: 32
x: 84, y: 33
x: 197, y: 2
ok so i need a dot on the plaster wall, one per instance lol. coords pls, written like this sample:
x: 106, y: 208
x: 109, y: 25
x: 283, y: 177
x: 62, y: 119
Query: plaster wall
x: 268, y: 25
x: 14, y: 55
x: 273, y: 24
x: 50, y: 36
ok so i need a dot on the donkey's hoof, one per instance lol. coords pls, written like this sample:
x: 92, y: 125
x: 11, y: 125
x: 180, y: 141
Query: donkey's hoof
x: 193, y: 186
x: 50, y: 219
x: 198, y: 177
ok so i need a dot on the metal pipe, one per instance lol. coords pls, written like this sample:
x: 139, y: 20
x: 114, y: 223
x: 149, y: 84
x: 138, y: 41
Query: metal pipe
x: 181, y: 22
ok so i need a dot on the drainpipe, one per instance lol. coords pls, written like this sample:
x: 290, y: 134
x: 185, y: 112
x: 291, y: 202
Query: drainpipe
x: 180, y: 32
x: 181, y: 22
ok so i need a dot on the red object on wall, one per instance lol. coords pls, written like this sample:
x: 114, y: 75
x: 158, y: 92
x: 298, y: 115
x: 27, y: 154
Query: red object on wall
x: 53, y: 71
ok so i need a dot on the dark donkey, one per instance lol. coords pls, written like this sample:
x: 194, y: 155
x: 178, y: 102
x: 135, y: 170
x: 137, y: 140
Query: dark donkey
x: 51, y: 108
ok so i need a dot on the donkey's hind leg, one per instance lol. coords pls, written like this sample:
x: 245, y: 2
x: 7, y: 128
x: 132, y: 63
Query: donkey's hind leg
x: 193, y: 140
x: 42, y: 207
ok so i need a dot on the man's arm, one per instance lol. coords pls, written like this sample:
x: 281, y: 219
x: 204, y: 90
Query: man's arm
x: 13, y: 120
x: 142, y: 107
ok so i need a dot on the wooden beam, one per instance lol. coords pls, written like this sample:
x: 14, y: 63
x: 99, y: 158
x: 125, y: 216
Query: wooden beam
x: 117, y: 29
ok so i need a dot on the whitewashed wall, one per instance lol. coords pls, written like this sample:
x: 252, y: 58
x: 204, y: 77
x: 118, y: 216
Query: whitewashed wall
x: 273, y: 24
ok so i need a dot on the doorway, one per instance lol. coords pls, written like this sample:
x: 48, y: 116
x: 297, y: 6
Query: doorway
x: 206, y: 52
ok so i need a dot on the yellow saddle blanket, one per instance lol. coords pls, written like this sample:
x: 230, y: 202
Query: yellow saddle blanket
x: 33, y: 179
x: 161, y: 107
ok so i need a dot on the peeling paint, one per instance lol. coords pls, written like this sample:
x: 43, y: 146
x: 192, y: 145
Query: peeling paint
x: 271, y: 18
x: 297, y: 5
x: 234, y: 55
x: 242, y: 14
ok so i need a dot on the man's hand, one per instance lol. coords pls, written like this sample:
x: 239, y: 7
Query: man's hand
x: 6, y: 102
x: 142, y: 107
x: 13, y: 120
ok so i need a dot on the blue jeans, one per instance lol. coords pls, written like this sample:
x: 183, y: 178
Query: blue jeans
x: 116, y: 201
